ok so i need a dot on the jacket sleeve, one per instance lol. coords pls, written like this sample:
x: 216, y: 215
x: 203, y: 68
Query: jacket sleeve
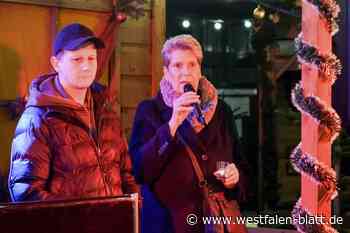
x: 240, y: 190
x: 243, y: 167
x: 30, y: 161
x: 129, y: 184
x: 151, y: 143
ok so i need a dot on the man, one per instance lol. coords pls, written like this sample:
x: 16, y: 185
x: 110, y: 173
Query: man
x: 68, y: 142
x: 168, y: 129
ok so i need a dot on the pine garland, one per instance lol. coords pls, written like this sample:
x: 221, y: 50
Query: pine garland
x: 317, y: 171
x: 299, y: 212
x: 328, y: 64
x: 329, y: 120
x: 329, y: 9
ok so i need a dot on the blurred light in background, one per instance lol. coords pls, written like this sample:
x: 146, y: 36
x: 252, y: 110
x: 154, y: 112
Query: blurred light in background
x: 218, y: 26
x: 247, y: 23
x: 186, y: 23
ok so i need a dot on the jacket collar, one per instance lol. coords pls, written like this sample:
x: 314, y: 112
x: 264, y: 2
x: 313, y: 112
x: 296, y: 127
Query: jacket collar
x: 164, y: 110
x: 48, y: 93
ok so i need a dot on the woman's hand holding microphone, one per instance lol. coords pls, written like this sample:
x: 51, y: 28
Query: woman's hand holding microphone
x: 182, y: 106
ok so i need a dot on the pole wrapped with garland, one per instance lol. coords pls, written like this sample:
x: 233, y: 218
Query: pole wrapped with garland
x: 320, y: 111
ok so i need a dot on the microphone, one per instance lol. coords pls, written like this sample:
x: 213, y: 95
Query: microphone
x: 188, y: 87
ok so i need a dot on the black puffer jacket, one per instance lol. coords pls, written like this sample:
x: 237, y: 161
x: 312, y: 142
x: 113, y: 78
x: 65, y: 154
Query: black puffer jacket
x: 57, y: 154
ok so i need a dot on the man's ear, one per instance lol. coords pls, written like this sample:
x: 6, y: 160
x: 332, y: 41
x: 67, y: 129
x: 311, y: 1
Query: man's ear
x: 54, y: 63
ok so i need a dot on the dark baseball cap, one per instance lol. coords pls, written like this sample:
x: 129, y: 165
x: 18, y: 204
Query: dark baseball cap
x: 73, y: 37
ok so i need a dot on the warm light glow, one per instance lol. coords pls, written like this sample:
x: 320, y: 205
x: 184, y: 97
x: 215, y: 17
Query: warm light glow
x: 259, y: 12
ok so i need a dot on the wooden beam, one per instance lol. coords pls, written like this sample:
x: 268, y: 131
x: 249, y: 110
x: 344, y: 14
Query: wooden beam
x: 157, y: 37
x: 284, y: 68
x: 54, y: 23
x: 96, y: 5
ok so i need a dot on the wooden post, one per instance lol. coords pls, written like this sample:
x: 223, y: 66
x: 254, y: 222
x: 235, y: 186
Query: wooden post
x: 260, y: 147
x: 315, y: 33
x: 157, y: 36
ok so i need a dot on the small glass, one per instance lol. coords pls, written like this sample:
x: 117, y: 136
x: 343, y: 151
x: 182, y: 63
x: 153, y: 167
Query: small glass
x: 220, y: 168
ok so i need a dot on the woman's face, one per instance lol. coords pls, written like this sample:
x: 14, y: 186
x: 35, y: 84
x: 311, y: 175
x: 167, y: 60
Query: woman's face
x: 182, y: 69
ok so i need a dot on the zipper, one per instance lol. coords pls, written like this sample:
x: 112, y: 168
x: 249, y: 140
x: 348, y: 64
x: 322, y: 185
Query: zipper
x: 98, y: 152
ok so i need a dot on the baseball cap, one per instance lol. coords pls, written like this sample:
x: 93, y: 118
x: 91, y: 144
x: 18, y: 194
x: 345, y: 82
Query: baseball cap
x: 73, y: 37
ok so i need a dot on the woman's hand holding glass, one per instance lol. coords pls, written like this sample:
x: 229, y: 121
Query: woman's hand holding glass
x: 227, y: 173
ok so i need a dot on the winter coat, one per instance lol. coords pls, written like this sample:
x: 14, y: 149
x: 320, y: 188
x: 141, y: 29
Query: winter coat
x: 58, y: 152
x: 162, y: 164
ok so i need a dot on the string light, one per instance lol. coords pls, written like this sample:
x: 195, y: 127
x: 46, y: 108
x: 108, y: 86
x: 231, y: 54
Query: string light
x: 218, y: 26
x: 247, y: 23
x: 186, y: 23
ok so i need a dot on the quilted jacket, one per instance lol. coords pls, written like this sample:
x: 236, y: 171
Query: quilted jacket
x: 62, y: 151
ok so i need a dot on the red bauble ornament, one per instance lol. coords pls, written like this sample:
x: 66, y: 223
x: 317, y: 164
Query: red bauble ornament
x: 121, y: 17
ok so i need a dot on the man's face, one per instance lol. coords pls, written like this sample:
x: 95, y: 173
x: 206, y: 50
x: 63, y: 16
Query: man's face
x: 182, y: 69
x: 77, y: 69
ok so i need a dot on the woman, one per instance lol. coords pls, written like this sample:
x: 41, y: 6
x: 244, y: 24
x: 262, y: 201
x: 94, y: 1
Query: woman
x: 162, y: 127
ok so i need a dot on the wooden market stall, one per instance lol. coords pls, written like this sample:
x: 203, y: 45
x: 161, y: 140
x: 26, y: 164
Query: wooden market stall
x: 27, y: 31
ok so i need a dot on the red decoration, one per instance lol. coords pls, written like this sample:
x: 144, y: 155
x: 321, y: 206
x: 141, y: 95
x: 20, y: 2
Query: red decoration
x: 312, y: 158
x: 121, y: 17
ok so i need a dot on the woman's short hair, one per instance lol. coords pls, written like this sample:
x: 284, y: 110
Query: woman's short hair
x: 183, y: 42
